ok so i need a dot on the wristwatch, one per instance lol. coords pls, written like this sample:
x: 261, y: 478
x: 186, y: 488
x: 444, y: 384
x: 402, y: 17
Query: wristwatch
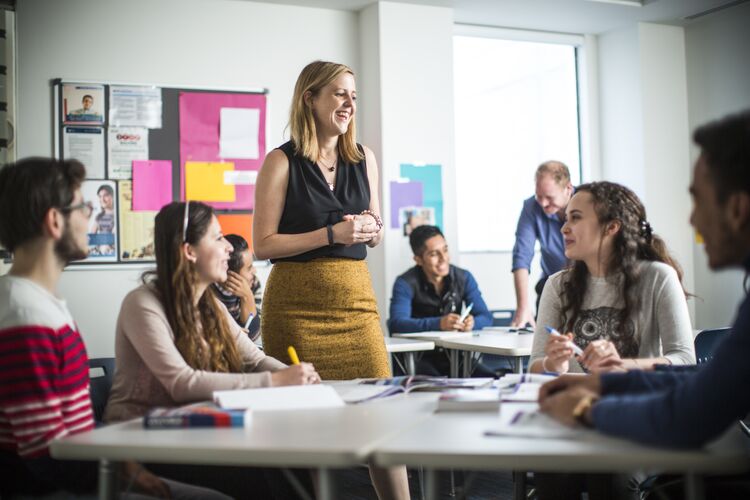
x: 581, y: 409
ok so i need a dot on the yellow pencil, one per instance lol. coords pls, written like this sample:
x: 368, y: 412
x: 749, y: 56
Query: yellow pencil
x: 293, y: 355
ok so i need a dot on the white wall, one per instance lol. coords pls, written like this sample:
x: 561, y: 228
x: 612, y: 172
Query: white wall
x: 416, y: 109
x: 223, y: 43
x: 718, y: 84
x: 644, y: 127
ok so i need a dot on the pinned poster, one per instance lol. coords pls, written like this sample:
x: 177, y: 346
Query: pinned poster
x: 136, y: 228
x: 204, y: 181
x: 126, y: 144
x: 135, y: 106
x: 85, y: 144
x: 200, y: 138
x: 431, y: 178
x: 152, y: 184
x: 241, y: 224
x: 404, y: 194
x: 239, y: 133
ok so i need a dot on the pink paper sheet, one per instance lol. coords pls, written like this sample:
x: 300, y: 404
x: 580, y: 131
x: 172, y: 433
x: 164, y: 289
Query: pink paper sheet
x: 152, y: 184
x: 199, y: 138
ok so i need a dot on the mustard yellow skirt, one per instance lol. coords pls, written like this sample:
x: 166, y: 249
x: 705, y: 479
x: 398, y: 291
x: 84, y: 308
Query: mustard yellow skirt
x: 326, y: 309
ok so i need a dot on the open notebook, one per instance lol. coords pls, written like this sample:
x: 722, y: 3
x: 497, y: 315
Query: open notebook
x: 379, y: 388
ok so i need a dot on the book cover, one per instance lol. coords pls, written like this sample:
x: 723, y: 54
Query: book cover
x: 196, y: 415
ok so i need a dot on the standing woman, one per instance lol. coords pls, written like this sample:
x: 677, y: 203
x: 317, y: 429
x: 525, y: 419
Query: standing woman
x: 621, y: 299
x: 316, y: 207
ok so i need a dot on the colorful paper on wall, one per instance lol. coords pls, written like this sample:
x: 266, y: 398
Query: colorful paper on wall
x: 136, y: 228
x: 239, y: 133
x: 152, y: 184
x: 241, y: 224
x: 200, y: 120
x: 432, y: 180
x: 404, y: 194
x: 204, y: 181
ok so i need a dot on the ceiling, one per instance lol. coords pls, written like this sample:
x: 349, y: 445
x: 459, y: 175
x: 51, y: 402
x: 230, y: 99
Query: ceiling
x: 563, y: 16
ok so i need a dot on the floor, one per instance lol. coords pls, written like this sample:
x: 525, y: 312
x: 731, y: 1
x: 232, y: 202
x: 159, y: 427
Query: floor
x: 355, y: 485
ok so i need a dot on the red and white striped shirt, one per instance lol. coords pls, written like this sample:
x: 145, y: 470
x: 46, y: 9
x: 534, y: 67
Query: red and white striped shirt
x: 44, y: 372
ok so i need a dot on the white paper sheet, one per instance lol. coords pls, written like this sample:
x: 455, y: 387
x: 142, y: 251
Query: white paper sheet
x: 239, y: 133
x: 294, y: 397
x: 126, y: 144
x: 240, y: 177
x: 85, y: 144
x: 135, y: 106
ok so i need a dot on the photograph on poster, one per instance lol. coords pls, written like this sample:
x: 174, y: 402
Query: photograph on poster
x: 136, y: 228
x: 83, y: 104
x: 411, y: 217
x: 102, y: 195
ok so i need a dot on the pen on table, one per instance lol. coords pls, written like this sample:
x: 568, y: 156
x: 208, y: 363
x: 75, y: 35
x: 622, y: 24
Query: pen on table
x: 577, y: 350
x: 292, y: 355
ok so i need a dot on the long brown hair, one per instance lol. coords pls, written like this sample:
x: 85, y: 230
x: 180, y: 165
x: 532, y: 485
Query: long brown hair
x: 633, y: 242
x: 202, y: 334
x: 313, y: 78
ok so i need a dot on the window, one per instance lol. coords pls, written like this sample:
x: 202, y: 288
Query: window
x: 516, y: 106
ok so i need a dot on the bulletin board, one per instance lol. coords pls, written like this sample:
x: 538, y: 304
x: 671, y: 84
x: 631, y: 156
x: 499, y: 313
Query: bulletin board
x: 146, y: 145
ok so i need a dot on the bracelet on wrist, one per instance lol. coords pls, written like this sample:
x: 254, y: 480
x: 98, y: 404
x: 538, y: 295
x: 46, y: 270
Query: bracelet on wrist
x: 544, y: 365
x: 582, y: 408
x: 378, y: 220
x: 329, y: 230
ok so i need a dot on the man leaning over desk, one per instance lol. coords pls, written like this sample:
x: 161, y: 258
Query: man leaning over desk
x: 430, y: 296
x: 541, y: 219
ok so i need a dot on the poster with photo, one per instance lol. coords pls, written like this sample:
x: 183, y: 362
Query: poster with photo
x: 83, y: 104
x: 102, y: 194
x: 411, y: 217
x: 136, y: 228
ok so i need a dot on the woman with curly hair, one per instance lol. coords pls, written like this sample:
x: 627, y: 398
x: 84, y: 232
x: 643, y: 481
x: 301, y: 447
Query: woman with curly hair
x: 621, y: 300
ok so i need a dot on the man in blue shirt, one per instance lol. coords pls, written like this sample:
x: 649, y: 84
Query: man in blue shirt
x: 672, y: 407
x: 430, y: 295
x: 541, y: 219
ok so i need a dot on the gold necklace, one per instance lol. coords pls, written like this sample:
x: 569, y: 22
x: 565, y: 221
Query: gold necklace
x: 330, y: 167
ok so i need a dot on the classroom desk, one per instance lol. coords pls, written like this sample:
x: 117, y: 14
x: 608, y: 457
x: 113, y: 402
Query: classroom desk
x: 407, y: 347
x: 445, y: 441
x: 324, y: 439
x: 512, y: 345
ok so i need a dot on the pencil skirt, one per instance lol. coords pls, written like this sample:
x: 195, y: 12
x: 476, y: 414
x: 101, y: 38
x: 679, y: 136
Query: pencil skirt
x: 326, y: 309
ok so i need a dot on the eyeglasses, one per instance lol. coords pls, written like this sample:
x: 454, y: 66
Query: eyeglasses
x: 86, y: 206
x: 185, y: 221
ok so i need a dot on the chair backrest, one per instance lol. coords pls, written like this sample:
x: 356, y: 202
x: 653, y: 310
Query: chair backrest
x: 502, y: 317
x: 706, y: 342
x: 99, y: 386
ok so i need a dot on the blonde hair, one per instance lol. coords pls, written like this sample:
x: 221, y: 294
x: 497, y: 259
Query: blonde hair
x: 313, y: 78
x: 555, y: 169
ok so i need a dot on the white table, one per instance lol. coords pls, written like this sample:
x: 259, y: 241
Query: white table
x: 512, y: 345
x: 498, y: 341
x: 407, y: 347
x: 445, y: 441
x: 325, y: 439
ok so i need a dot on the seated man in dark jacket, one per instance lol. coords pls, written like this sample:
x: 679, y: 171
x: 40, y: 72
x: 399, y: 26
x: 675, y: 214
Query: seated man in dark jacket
x: 431, y: 295
x: 671, y: 406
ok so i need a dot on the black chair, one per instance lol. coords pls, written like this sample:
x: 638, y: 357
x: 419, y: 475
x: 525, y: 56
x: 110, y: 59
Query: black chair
x: 502, y: 317
x: 100, y: 385
x: 706, y: 342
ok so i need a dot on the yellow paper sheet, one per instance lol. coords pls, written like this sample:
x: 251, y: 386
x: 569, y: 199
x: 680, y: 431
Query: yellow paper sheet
x: 204, y: 181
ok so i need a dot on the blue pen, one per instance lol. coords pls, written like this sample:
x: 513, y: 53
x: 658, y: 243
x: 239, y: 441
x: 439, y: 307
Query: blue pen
x: 577, y: 350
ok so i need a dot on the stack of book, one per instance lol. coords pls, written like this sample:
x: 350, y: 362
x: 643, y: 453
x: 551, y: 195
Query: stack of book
x: 196, y: 415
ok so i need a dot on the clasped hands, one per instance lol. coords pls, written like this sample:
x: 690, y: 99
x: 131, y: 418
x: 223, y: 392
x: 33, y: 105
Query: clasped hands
x: 559, y: 398
x: 355, y: 229
x: 598, y: 357
x: 452, y: 322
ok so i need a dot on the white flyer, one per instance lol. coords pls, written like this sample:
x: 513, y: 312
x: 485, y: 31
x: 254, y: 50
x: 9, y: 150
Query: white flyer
x: 124, y: 145
x: 238, y: 136
x: 135, y: 106
x: 85, y: 144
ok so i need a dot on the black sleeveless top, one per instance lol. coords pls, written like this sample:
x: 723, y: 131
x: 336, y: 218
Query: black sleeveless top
x: 310, y: 203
